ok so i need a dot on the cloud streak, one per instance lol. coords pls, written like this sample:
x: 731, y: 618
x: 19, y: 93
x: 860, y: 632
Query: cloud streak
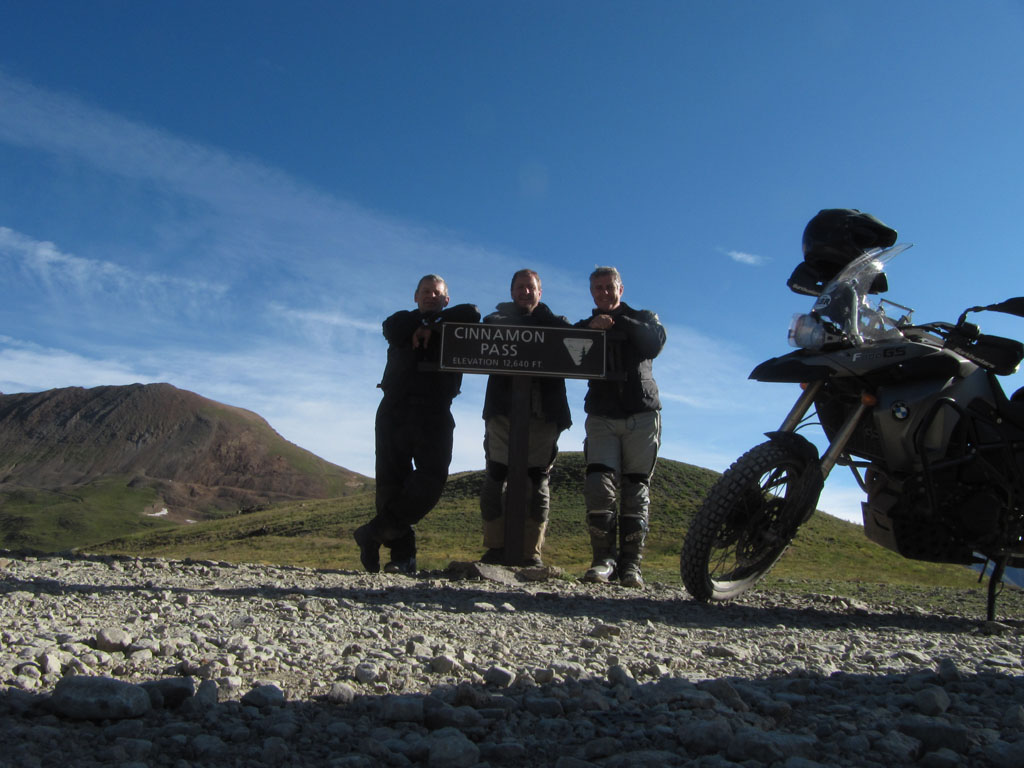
x: 750, y: 259
x: 57, y: 271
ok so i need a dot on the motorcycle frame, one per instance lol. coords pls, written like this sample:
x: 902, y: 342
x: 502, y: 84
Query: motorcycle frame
x: 1004, y: 555
x: 837, y: 446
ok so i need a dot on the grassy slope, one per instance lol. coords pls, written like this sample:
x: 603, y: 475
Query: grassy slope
x: 89, y: 514
x: 318, y: 534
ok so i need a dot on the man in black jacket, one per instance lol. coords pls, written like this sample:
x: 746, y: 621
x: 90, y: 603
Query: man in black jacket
x: 623, y: 432
x: 549, y: 416
x: 414, y: 426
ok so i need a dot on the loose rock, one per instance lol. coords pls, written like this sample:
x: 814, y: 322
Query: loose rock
x: 132, y: 662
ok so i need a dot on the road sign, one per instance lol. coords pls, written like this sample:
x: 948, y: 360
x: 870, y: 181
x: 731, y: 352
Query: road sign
x: 575, y: 353
x: 524, y: 351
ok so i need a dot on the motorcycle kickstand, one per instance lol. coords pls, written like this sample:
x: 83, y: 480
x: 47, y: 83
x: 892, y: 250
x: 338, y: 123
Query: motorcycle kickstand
x: 995, y: 582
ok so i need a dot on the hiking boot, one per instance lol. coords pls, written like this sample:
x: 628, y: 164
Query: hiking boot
x: 493, y: 556
x: 630, y: 576
x: 407, y: 566
x: 600, y: 572
x: 369, y: 548
x: 534, y: 561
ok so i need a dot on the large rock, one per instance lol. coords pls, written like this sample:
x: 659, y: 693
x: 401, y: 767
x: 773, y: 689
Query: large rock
x: 98, y: 698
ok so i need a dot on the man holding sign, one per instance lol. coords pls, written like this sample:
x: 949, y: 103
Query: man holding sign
x: 549, y: 415
x: 623, y: 432
x: 414, y: 426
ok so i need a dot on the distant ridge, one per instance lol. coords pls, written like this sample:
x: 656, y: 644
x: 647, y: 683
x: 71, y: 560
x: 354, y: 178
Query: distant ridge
x: 198, y: 455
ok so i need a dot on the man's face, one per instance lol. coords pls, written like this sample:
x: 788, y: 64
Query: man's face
x: 607, y: 292
x: 431, y: 296
x: 526, y: 292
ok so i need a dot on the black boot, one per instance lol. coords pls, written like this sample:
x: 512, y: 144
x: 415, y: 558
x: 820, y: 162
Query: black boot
x: 369, y: 538
x: 493, y: 556
x: 369, y: 548
x: 601, y: 526
x: 403, y: 555
x: 632, y: 535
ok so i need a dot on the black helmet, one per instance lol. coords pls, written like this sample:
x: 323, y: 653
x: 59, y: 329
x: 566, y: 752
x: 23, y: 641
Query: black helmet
x: 834, y: 238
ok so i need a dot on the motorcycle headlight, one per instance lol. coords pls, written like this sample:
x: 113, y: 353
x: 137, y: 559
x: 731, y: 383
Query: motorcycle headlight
x: 806, y: 332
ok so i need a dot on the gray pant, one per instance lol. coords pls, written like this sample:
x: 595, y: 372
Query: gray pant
x: 620, y: 455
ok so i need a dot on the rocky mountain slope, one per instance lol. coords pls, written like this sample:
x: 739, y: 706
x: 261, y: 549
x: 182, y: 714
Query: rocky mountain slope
x: 198, y: 454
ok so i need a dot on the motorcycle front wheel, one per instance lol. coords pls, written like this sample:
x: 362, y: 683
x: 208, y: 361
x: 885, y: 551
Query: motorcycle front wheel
x: 747, y: 521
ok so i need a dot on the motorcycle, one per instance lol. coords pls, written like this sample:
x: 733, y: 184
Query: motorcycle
x: 915, y: 411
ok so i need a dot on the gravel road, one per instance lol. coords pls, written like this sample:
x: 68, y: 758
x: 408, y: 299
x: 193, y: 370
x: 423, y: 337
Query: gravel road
x: 148, y: 662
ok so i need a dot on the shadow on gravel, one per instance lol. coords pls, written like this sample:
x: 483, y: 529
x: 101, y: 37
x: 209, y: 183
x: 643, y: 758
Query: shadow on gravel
x: 885, y: 719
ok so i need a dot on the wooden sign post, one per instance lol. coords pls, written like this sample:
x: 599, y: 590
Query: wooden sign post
x: 522, y: 352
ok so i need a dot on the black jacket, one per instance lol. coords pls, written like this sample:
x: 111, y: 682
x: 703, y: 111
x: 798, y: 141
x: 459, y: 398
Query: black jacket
x: 549, y: 391
x: 403, y: 379
x: 633, y: 342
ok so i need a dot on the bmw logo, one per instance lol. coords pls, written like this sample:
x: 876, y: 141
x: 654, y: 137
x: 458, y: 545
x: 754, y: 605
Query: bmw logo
x: 899, y: 410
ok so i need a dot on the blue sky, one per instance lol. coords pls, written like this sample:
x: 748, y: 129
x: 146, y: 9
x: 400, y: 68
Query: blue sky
x: 231, y: 196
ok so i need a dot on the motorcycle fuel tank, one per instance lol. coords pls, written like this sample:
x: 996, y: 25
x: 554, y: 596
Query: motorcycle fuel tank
x: 901, y: 361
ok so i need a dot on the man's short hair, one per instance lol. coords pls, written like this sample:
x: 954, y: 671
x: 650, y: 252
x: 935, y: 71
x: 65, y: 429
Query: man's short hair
x: 433, y: 279
x: 524, y: 273
x: 611, y: 272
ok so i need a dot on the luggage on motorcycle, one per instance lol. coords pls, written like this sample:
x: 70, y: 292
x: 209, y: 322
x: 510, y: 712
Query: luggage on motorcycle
x: 834, y: 238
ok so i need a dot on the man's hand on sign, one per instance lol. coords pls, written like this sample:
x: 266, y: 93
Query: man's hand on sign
x: 421, y: 337
x: 602, y: 322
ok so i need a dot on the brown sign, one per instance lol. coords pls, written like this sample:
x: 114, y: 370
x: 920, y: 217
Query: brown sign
x: 575, y: 353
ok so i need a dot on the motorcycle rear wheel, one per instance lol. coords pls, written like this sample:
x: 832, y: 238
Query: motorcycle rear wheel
x: 747, y: 521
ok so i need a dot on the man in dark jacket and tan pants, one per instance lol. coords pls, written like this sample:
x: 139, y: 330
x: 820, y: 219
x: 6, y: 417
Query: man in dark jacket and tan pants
x: 549, y: 416
x: 623, y: 432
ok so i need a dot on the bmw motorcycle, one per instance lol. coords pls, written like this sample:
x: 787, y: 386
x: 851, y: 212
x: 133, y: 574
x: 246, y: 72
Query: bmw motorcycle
x: 915, y: 411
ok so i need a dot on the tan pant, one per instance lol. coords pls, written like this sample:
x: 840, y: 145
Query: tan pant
x: 541, y: 451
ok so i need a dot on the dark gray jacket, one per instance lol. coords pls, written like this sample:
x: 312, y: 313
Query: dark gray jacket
x: 554, y: 405
x: 408, y: 374
x: 635, y: 340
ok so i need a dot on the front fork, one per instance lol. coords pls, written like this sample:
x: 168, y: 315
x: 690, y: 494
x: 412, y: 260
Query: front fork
x: 838, y: 444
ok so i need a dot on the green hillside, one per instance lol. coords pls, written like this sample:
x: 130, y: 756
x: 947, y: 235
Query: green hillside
x: 319, y: 534
x: 88, y: 514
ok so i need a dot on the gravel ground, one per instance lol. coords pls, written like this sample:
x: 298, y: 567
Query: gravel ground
x: 149, y: 662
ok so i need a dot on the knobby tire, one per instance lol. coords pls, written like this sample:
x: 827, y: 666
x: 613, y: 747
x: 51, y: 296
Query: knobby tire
x: 747, y: 521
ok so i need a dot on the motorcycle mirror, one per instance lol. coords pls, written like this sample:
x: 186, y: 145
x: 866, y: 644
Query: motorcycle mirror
x: 969, y: 331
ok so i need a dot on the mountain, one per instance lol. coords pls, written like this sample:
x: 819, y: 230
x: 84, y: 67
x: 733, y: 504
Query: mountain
x: 155, y: 448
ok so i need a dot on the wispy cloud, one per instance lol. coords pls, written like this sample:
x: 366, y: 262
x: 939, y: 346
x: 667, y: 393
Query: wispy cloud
x: 706, y: 373
x: 30, y: 367
x: 220, y: 216
x: 337, y: 320
x: 742, y: 257
x: 44, y: 263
